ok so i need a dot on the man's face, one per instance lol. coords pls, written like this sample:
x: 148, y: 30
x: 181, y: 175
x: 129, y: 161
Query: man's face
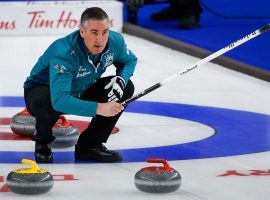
x: 95, y: 34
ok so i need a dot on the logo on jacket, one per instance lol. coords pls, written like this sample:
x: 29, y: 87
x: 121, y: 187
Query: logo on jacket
x: 82, y: 72
x: 61, y: 68
x: 109, y: 59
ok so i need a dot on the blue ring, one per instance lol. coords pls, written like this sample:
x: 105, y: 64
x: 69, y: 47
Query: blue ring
x: 237, y: 133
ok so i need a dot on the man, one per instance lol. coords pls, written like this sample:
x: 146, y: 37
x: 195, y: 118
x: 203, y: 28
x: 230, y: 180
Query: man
x: 67, y: 80
x: 187, y: 12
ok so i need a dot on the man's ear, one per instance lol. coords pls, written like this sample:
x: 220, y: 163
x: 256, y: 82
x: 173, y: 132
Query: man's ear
x: 111, y: 23
x: 82, y: 32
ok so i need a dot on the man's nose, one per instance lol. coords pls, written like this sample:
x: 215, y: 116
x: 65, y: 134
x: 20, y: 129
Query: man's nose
x: 99, y: 38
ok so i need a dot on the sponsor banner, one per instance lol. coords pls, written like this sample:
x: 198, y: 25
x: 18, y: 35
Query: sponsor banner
x: 52, y: 18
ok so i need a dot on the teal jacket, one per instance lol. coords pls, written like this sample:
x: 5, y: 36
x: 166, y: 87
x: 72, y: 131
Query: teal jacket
x: 69, y: 70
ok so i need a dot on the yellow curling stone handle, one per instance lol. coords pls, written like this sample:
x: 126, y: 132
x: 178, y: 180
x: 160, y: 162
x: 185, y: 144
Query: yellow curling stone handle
x: 33, y: 170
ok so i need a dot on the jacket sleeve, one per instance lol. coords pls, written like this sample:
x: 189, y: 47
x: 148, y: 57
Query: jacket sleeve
x: 125, y: 62
x: 61, y: 75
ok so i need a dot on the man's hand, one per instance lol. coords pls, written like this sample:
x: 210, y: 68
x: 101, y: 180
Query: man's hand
x: 109, y: 109
x: 117, y: 85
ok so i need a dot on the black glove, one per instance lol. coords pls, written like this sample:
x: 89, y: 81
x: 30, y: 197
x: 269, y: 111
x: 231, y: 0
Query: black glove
x: 117, y: 85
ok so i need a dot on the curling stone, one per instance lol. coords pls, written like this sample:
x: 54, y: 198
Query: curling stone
x: 32, y: 180
x: 23, y: 123
x: 66, y: 135
x: 157, y: 179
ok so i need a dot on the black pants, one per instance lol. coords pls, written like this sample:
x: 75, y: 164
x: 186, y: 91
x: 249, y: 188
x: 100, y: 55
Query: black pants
x: 38, y: 103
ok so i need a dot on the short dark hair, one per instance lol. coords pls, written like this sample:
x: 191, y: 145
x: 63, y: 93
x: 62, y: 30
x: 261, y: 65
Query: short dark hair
x: 95, y: 13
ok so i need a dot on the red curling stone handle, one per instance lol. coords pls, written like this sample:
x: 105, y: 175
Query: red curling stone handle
x: 165, y: 163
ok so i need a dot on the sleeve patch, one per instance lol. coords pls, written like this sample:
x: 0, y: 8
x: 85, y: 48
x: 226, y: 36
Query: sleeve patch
x: 60, y: 68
